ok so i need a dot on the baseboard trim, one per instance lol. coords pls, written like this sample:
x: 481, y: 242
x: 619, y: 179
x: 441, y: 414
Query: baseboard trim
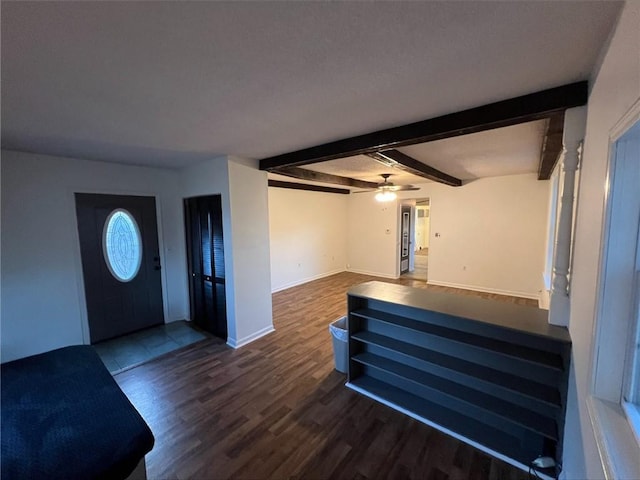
x: 513, y: 293
x: 306, y: 280
x: 371, y: 274
x: 451, y: 433
x: 544, y: 301
x: 233, y: 343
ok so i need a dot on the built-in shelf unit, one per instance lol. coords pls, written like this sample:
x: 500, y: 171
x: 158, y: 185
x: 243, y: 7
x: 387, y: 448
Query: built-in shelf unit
x: 491, y: 373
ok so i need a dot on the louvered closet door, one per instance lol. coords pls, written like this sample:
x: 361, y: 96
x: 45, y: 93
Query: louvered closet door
x: 205, y: 251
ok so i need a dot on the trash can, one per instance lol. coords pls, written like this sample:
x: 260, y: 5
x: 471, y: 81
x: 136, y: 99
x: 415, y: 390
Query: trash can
x: 340, y: 338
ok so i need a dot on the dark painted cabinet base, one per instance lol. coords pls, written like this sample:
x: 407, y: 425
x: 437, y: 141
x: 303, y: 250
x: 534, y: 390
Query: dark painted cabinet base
x: 490, y: 373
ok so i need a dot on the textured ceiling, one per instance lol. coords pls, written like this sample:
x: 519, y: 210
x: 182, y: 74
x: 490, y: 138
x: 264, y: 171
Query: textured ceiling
x: 172, y: 83
x: 503, y: 151
x: 364, y: 168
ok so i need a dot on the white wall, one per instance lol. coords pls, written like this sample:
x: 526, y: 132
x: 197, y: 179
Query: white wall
x: 308, y: 235
x: 373, y: 236
x: 212, y: 178
x: 251, y: 268
x: 246, y: 241
x: 492, y: 234
x: 552, y: 224
x: 616, y: 88
x: 42, y: 294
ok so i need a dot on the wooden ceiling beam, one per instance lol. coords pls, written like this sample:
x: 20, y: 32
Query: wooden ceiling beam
x: 306, y: 186
x: 304, y: 174
x: 401, y: 161
x: 526, y: 108
x: 551, y: 146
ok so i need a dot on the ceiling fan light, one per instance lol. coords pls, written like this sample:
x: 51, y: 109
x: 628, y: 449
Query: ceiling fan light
x: 386, y: 196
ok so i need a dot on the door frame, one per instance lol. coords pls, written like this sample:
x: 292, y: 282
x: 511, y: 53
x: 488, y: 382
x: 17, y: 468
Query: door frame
x: 410, y: 204
x: 82, y: 301
x: 428, y: 229
x: 412, y: 241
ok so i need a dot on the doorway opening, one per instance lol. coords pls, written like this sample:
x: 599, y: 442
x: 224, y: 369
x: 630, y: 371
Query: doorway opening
x: 205, y: 257
x: 418, y: 264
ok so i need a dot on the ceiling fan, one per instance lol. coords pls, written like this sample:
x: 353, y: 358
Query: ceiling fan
x: 386, y: 190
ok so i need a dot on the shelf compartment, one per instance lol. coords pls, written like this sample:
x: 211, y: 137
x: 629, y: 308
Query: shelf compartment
x: 478, y: 404
x: 530, y: 393
x: 434, y: 414
x: 504, y: 321
x: 519, y: 352
x: 469, y: 347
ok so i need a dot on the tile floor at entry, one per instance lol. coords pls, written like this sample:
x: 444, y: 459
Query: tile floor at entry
x: 139, y: 347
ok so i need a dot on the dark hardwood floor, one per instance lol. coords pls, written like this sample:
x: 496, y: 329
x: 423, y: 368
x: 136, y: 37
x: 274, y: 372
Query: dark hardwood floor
x: 276, y: 408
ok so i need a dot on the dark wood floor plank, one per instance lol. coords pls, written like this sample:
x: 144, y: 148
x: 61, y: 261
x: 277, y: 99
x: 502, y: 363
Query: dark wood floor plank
x: 276, y: 408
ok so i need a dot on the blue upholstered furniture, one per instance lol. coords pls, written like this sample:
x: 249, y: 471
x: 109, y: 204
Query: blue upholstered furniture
x: 63, y: 416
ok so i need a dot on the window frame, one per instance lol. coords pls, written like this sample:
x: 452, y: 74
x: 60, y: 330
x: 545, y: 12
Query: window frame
x: 631, y: 388
x: 614, y: 423
x: 138, y: 243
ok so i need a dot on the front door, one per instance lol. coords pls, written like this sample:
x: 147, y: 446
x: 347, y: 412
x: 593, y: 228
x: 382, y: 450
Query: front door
x: 120, y: 263
x: 405, y: 241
